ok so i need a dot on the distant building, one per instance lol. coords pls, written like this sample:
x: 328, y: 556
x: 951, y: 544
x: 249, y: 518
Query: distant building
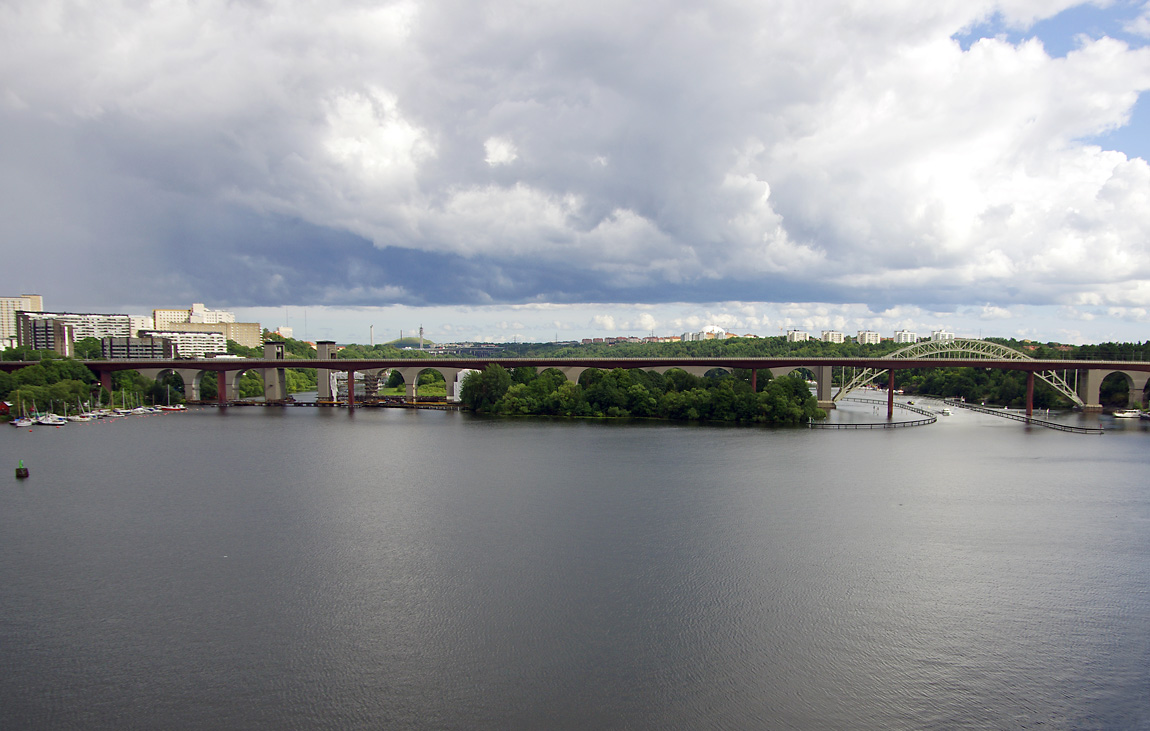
x: 196, y: 314
x: 868, y: 337
x: 247, y: 334
x: 158, y: 348
x: 797, y: 336
x: 710, y: 332
x: 9, y: 306
x: 60, y: 330
x: 191, y: 344
x: 905, y: 336
x: 284, y: 331
x: 832, y: 336
x: 941, y: 335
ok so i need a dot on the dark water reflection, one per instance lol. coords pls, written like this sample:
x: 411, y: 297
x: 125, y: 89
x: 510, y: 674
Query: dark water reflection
x: 389, y: 569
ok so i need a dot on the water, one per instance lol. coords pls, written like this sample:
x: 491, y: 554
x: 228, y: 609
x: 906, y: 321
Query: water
x: 310, y: 568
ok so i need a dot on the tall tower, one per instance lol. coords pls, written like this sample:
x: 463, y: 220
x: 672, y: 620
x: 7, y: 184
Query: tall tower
x: 421, y: 336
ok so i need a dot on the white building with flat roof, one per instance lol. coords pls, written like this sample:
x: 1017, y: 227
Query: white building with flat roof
x: 191, y: 344
x: 797, y: 336
x: 941, y: 335
x: 832, y: 336
x: 197, y: 314
x: 868, y: 337
x: 905, y: 336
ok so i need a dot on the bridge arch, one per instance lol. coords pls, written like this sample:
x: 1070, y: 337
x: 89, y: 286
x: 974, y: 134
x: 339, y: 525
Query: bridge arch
x: 1135, y: 383
x: 967, y: 347
x: 410, y: 375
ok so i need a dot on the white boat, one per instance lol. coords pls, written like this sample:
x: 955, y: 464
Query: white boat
x: 1127, y: 414
x: 22, y: 421
x: 51, y: 420
x: 945, y: 412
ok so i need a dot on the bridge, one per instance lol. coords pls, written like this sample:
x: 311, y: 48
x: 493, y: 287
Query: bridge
x: 959, y: 353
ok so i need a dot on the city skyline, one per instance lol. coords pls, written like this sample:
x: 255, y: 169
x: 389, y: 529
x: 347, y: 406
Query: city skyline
x: 502, y: 172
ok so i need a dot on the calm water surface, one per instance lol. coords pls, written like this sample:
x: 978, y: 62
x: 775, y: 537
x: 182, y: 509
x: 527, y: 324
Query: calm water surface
x: 311, y: 569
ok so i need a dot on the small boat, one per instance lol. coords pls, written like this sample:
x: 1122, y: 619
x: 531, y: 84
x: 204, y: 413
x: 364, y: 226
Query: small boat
x: 1127, y: 414
x: 52, y: 420
x: 22, y: 421
x: 945, y: 412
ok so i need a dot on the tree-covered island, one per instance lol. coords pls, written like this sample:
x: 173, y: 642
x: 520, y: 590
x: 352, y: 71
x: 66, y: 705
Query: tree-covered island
x: 676, y: 395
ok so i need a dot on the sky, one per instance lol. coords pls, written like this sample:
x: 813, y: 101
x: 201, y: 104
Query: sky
x: 533, y: 171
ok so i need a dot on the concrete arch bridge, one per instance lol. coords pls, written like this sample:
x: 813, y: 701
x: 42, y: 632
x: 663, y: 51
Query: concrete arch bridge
x: 959, y: 353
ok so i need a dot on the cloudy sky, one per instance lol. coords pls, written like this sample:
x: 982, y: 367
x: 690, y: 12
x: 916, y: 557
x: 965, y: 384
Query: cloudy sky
x: 539, y: 170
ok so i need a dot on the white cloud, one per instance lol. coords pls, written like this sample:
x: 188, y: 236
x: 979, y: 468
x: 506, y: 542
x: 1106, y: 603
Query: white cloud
x: 499, y: 151
x: 832, y: 151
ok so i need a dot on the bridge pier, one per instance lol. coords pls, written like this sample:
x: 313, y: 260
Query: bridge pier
x: 1029, y: 394
x: 890, y: 394
x: 824, y: 386
x: 325, y: 350
x: 1089, y: 387
x: 275, y: 379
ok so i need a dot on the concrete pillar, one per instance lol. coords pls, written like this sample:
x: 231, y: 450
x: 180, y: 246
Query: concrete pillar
x: 449, y: 376
x: 410, y: 380
x: 573, y: 372
x: 325, y: 350
x: 222, y: 388
x: 1089, y: 386
x: 824, y: 387
x: 754, y: 380
x: 192, y: 378
x: 275, y: 379
x: 351, y: 389
x: 1137, y: 386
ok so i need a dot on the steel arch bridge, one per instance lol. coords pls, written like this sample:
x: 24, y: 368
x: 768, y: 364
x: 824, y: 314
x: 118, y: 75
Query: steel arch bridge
x: 967, y: 347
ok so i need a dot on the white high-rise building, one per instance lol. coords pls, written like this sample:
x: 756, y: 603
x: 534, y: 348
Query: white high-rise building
x: 832, y: 336
x: 905, y: 336
x: 941, y: 335
x: 9, y: 306
x: 797, y: 336
x: 868, y: 337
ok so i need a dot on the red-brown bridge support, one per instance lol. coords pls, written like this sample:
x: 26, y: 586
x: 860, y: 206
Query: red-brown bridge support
x: 890, y: 394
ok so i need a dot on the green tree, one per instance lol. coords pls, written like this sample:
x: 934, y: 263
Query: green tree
x: 482, y: 389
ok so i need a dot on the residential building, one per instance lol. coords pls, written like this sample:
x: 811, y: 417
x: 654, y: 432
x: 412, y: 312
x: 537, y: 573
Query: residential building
x: 148, y: 347
x: 9, y: 306
x: 59, y: 330
x: 941, y: 335
x: 905, y: 336
x: 868, y: 337
x: 197, y: 314
x: 247, y: 334
x: 832, y: 336
x: 797, y: 336
x: 141, y: 322
x: 191, y: 344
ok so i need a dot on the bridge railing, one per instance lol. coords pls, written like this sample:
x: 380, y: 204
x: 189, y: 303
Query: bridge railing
x: 1006, y: 414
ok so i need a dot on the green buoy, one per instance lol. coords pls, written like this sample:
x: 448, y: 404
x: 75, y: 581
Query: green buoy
x: 21, y: 471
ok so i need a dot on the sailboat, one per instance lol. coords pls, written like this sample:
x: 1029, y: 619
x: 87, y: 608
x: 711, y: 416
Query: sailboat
x: 168, y: 406
x: 24, y: 420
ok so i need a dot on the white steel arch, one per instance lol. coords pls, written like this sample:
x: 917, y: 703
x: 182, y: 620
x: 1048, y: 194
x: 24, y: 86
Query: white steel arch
x: 967, y: 347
